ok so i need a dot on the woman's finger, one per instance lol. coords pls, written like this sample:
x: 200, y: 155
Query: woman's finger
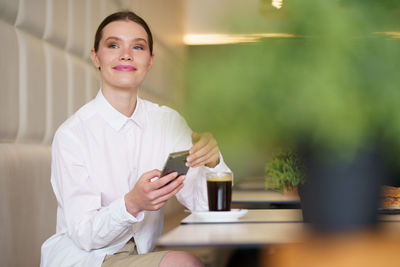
x: 166, y: 197
x: 210, y: 157
x: 202, y: 140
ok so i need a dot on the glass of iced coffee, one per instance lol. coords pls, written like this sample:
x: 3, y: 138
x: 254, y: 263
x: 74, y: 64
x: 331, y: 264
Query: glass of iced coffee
x: 219, y: 190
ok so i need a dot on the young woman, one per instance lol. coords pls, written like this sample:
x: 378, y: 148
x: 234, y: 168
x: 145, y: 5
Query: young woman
x: 105, y: 159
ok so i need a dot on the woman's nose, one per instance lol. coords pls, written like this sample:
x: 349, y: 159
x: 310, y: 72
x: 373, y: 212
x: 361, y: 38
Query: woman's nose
x: 126, y: 54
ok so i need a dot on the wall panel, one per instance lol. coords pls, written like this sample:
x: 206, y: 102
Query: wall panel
x: 9, y: 95
x: 92, y: 82
x: 76, y: 83
x: 93, y: 19
x: 56, y: 29
x: 56, y: 90
x: 31, y: 16
x: 32, y: 88
x: 9, y: 10
x: 160, y: 15
x: 165, y: 80
x: 76, y: 38
x: 108, y: 7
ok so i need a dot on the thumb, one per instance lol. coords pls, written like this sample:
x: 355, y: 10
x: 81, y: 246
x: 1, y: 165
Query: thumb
x: 147, y: 176
x: 195, y: 137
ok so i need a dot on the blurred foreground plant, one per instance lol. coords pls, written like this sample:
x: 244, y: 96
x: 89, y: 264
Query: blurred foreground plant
x: 336, y: 85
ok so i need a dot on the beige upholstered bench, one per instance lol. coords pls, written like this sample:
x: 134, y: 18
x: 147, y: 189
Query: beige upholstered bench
x: 27, y: 203
x: 28, y: 206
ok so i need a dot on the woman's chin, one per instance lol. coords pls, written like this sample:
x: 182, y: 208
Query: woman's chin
x: 126, y: 86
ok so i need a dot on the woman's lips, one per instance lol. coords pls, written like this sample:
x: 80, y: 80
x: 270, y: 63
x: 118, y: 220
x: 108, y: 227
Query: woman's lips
x: 124, y: 68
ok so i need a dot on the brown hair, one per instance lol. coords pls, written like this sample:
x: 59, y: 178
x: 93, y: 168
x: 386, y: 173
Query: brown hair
x: 122, y: 15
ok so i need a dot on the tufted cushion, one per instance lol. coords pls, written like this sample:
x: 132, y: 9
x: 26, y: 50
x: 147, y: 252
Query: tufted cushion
x: 27, y: 203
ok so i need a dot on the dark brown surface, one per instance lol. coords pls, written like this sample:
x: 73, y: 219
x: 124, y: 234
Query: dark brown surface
x: 219, y: 195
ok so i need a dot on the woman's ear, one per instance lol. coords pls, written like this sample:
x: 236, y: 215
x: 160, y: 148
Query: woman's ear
x: 94, y: 58
x: 151, y: 62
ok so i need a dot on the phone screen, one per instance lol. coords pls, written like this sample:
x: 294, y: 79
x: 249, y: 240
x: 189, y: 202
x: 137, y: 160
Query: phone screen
x: 176, y: 162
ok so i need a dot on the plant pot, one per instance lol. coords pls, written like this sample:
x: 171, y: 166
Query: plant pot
x: 291, y: 191
x: 341, y: 195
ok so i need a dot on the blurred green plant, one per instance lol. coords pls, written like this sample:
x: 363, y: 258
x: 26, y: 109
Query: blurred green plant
x: 335, y: 85
x: 284, y: 171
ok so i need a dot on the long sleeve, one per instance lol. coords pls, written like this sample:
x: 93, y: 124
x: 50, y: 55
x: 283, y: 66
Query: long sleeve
x: 89, y: 225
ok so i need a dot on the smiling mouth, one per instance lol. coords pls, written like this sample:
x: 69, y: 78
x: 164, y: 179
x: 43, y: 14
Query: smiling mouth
x: 124, y: 68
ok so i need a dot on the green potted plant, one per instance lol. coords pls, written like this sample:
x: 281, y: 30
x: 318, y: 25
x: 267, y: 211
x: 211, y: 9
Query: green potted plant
x: 284, y: 173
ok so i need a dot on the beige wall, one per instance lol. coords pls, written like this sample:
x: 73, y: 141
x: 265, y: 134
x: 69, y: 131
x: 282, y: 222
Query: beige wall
x: 45, y: 71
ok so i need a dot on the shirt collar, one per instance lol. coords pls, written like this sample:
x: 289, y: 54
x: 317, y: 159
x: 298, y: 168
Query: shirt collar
x: 115, y: 118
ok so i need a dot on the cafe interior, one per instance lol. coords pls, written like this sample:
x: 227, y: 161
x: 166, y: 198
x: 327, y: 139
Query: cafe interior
x: 301, y: 95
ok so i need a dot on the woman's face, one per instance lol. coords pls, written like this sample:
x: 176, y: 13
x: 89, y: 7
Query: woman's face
x: 123, y: 55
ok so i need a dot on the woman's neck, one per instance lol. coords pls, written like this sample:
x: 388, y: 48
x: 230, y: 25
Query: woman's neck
x: 122, y: 100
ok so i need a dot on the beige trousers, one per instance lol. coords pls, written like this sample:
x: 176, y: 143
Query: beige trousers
x: 128, y: 257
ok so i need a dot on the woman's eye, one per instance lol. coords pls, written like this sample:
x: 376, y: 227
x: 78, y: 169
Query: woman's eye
x: 138, y: 47
x: 113, y: 46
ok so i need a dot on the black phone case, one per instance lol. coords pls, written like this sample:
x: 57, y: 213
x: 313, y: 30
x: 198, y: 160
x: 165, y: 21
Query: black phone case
x: 176, y: 162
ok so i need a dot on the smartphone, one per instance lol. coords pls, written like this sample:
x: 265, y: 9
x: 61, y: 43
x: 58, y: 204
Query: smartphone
x: 176, y: 162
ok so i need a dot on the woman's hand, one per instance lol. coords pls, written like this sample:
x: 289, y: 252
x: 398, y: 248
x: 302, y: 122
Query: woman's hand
x: 204, y: 151
x: 147, y: 195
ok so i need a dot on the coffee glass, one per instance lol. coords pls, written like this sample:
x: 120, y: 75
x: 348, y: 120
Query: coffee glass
x: 219, y: 190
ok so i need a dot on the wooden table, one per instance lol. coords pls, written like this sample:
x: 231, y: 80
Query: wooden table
x: 257, y: 216
x: 232, y: 235
x: 262, y: 197
x: 256, y: 228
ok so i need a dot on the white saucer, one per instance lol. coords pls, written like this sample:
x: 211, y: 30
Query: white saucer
x: 219, y: 216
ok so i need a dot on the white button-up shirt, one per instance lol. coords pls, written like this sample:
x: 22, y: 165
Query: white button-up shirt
x: 97, y: 157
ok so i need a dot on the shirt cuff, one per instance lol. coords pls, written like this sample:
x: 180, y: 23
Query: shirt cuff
x: 123, y: 215
x: 218, y: 166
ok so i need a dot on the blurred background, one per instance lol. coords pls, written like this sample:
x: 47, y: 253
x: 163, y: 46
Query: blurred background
x: 284, y: 73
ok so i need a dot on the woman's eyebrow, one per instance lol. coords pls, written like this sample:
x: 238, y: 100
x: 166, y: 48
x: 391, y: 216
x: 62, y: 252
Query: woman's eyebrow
x: 140, y: 39
x: 112, y: 38
x: 119, y: 39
